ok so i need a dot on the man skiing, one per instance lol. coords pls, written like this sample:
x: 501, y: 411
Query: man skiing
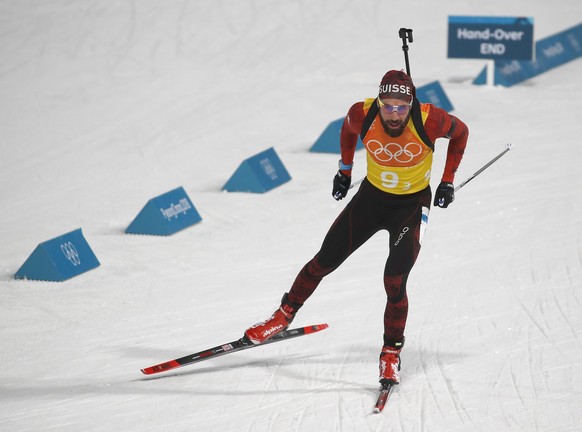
x: 398, y: 134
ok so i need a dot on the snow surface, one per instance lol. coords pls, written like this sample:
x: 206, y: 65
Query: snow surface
x: 104, y: 105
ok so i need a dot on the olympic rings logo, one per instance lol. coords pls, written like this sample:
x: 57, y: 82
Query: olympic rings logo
x: 394, y: 151
x: 71, y: 253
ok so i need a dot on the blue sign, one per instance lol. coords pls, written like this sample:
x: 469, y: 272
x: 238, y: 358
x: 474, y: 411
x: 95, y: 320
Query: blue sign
x: 551, y: 52
x: 329, y: 140
x: 59, y: 259
x: 165, y: 214
x: 508, y: 38
x: 434, y: 93
x: 258, y: 174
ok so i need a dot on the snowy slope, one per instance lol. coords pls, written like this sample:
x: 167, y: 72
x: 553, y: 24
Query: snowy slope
x: 104, y: 105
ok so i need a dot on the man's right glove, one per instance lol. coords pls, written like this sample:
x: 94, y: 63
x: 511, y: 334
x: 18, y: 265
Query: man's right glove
x: 341, y: 185
x: 444, y: 195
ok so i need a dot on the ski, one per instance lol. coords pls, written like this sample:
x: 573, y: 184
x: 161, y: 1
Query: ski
x: 383, y: 397
x: 231, y: 347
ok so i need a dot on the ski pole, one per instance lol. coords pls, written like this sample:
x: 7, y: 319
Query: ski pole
x: 484, y: 167
x: 356, y: 183
x: 406, y: 35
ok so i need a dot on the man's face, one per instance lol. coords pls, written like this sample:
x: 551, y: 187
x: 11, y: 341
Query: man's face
x: 394, y: 114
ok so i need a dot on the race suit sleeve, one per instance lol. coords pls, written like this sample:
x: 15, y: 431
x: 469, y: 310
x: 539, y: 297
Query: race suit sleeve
x: 349, y: 133
x: 441, y: 124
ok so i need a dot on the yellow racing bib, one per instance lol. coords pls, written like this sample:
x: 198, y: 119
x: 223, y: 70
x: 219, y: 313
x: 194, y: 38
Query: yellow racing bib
x: 398, y: 165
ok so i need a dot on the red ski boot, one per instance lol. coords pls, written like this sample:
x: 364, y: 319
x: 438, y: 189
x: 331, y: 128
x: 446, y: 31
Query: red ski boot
x: 278, y: 322
x: 390, y: 365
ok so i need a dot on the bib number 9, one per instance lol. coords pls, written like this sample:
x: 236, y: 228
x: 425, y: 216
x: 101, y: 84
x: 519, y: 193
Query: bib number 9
x: 390, y: 180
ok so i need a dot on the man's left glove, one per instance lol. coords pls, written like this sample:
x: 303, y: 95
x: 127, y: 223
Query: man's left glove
x: 341, y: 185
x: 444, y: 195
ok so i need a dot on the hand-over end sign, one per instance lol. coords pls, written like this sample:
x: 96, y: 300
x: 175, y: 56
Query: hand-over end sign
x: 508, y: 38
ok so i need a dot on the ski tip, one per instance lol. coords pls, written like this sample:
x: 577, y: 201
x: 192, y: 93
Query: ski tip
x: 162, y: 367
x: 377, y: 410
x: 315, y: 328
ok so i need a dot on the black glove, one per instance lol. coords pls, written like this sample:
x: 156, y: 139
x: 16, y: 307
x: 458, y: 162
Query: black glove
x: 341, y: 185
x: 445, y: 194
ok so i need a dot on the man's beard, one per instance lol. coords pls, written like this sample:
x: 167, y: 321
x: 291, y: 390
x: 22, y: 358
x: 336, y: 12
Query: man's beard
x: 394, y: 132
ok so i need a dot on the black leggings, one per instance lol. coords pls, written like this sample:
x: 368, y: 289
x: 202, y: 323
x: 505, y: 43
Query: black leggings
x: 370, y: 211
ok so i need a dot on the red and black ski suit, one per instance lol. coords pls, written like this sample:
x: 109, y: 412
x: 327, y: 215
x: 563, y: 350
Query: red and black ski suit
x: 395, y: 196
